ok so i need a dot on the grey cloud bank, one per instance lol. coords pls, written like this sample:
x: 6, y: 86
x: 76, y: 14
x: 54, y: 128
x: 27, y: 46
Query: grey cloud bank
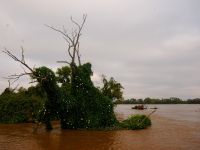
x: 151, y: 47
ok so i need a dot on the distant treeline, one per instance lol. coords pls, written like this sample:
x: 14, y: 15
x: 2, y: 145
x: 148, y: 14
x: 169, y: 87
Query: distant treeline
x: 172, y: 100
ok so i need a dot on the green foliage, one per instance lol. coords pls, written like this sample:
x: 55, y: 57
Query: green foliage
x: 77, y: 103
x: 47, y: 80
x: 136, y: 122
x: 36, y: 91
x: 91, y: 109
x: 193, y: 101
x: 7, y: 91
x: 18, y: 107
x: 44, y: 75
x: 112, y: 89
x: 63, y: 75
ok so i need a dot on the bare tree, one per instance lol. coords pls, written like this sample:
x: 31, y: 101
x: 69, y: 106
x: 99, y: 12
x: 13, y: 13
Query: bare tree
x: 72, y: 39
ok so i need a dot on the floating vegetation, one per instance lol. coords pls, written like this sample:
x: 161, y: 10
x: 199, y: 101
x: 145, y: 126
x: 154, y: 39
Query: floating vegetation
x: 135, y: 122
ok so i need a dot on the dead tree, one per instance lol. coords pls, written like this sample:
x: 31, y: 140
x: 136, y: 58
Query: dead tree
x: 73, y: 46
x: 72, y: 39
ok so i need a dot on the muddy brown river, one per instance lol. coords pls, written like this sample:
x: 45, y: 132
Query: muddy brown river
x: 174, y: 127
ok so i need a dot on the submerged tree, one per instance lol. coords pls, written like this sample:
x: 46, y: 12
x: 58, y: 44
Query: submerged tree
x: 91, y: 108
x: 77, y: 102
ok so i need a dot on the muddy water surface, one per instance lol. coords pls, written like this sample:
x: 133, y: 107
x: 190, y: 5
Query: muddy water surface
x: 173, y: 127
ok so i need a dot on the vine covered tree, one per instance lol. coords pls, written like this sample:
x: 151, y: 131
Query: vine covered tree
x: 77, y: 103
x: 76, y: 80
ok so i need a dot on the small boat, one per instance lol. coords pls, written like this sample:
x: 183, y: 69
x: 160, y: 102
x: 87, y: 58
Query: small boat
x: 140, y: 107
x: 154, y: 108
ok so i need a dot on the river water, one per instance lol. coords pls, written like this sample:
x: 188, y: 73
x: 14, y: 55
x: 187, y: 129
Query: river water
x: 173, y: 127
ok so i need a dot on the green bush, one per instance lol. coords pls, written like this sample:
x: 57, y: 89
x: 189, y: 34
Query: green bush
x: 135, y: 122
x: 16, y: 108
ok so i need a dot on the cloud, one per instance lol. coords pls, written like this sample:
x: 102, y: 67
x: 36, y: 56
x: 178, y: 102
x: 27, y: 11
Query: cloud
x: 151, y: 47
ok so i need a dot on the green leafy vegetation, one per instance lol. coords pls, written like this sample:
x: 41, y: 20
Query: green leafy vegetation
x: 136, y: 122
x: 19, y: 107
x: 77, y: 105
x: 112, y: 89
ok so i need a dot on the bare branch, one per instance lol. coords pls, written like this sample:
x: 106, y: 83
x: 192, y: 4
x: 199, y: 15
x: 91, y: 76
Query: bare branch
x: 67, y: 40
x: 34, y: 81
x: 63, y: 62
x: 63, y: 33
x: 15, y: 88
x: 75, y: 22
x: 23, y: 68
x: 64, y: 30
x: 9, y: 84
x: 78, y: 55
x: 72, y: 39
x: 80, y: 28
x: 69, y: 47
x: 22, y: 61
x: 16, y: 77
x: 78, y: 36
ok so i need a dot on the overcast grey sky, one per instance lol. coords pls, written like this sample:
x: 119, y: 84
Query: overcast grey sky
x: 152, y: 47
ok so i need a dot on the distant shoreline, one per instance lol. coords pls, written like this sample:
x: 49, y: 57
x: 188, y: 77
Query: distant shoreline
x: 172, y: 100
x: 157, y: 103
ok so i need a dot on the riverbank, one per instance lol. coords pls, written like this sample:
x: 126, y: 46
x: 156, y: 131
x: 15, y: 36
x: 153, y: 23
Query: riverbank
x: 165, y: 133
